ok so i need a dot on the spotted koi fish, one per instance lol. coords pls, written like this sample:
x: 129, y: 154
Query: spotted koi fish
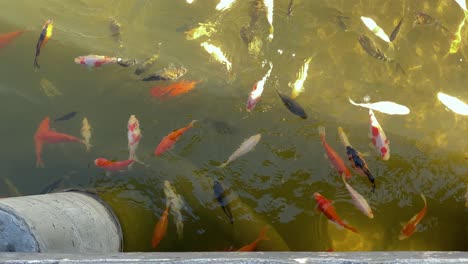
x: 379, y: 140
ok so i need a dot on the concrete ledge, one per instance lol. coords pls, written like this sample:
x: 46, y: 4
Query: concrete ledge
x: 237, y: 257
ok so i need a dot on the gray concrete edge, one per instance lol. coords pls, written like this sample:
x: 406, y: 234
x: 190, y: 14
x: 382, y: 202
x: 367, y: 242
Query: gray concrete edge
x: 243, y: 257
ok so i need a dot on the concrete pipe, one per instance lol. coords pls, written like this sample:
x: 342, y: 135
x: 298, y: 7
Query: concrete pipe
x: 65, y: 222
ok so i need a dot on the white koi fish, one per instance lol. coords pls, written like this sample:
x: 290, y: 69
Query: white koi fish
x: 453, y: 103
x: 298, y: 85
x: 358, y: 200
x: 244, y: 148
x: 134, y: 136
x: 257, y: 91
x: 217, y: 54
x: 379, y: 140
x: 86, y: 133
x: 177, y: 203
x: 224, y: 4
x: 269, y: 6
x: 385, y: 107
x: 378, y: 31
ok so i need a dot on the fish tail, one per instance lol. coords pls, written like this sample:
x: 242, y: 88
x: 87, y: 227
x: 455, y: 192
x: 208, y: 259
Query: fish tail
x: 321, y: 131
x: 87, y: 145
x: 36, y: 64
x: 424, y: 199
x: 223, y: 165
x: 262, y: 234
x: 351, y: 228
x: 370, y: 177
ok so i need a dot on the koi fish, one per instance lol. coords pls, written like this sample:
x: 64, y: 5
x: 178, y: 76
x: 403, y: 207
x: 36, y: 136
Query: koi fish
x: 358, y: 200
x: 410, y: 227
x: 327, y: 208
x: 168, y: 141
x: 333, y: 157
x: 252, y: 246
x: 217, y: 54
x: 298, y: 86
x: 378, y: 31
x: 112, y: 166
x: 49, y: 88
x: 421, y: 18
x: 356, y: 159
x: 46, y: 33
x: 224, y: 5
x: 114, y: 28
x: 257, y: 91
x: 369, y: 47
x: 95, y: 60
x: 386, y: 107
x: 176, y: 207
x: 134, y: 136
x: 221, y: 196
x: 292, y: 105
x: 396, y: 30
x: 86, y: 133
x: 160, y: 228
x: 453, y: 103
x: 269, y: 8
x: 66, y: 117
x: 45, y: 135
x: 379, y: 140
x: 173, y: 89
x: 244, y: 148
x: 7, y: 38
x: 166, y: 74
x: 145, y: 65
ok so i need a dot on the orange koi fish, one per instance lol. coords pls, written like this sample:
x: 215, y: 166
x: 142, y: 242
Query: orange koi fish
x: 45, y: 135
x: 6, y: 38
x: 160, y: 228
x: 112, y: 166
x: 168, y: 141
x: 328, y: 210
x: 410, y: 227
x: 334, y: 158
x: 173, y: 89
x: 46, y: 33
x: 252, y: 246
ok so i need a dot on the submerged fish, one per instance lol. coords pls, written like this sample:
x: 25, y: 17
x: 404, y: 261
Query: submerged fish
x: 66, y: 117
x: 177, y: 203
x: 114, y: 27
x: 410, y: 226
x: 371, y: 49
x: 166, y: 74
x: 327, y: 208
x: 298, y: 86
x: 160, y: 228
x: 333, y: 157
x: 421, y: 18
x: 46, y: 33
x: 292, y: 105
x: 217, y: 54
x: 358, y: 200
x: 7, y: 38
x: 168, y: 141
x: 356, y: 159
x: 44, y: 135
x: 145, y: 65
x: 453, y: 103
x: 221, y: 196
x: 134, y: 136
x: 95, y: 60
x: 386, y: 107
x: 252, y: 246
x: 49, y: 88
x: 244, y: 148
x: 396, y: 30
x: 379, y: 139
x: 86, y: 133
x: 372, y: 26
x: 257, y: 91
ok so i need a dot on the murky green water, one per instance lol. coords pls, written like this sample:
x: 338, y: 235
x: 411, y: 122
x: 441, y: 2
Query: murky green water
x: 275, y: 183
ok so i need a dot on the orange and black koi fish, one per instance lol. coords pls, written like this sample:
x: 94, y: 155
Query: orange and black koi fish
x: 46, y: 33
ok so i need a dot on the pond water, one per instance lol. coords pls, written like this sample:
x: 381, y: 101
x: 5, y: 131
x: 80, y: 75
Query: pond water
x: 274, y: 184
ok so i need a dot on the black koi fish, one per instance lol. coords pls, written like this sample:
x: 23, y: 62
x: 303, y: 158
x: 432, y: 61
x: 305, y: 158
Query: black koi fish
x: 220, y: 195
x: 358, y: 163
x: 292, y: 105
x: 66, y: 117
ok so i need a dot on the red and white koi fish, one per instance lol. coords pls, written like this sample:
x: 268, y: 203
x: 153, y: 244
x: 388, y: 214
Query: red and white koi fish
x: 46, y: 33
x: 252, y: 246
x: 257, y: 91
x: 359, y: 201
x: 134, y: 136
x: 95, y: 60
x: 45, y: 135
x: 112, y: 166
x: 334, y: 158
x: 410, y: 227
x: 168, y: 141
x: 6, y: 38
x: 326, y: 207
x: 379, y: 140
